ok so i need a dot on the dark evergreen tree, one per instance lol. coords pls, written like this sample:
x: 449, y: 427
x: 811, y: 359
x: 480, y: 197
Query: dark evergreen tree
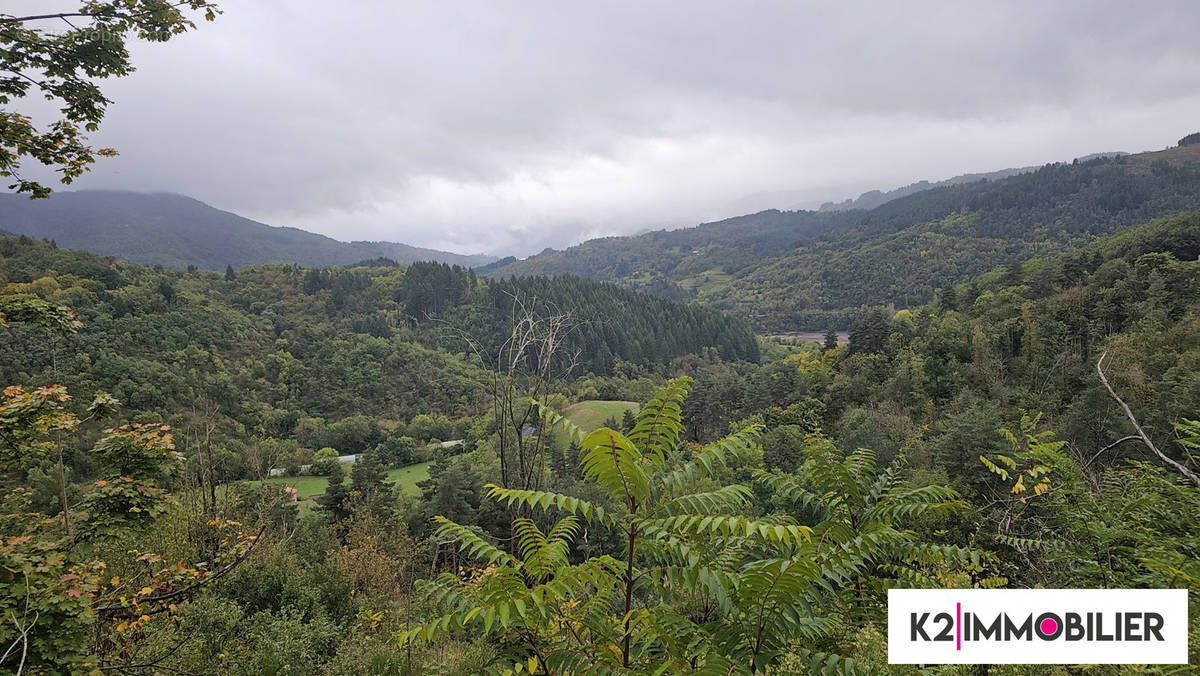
x: 831, y: 339
x: 314, y: 281
x: 628, y: 420
x: 336, y: 498
x: 868, y: 334
x: 369, y: 485
x: 230, y: 275
x: 572, y: 459
x: 558, y: 460
x: 433, y: 288
x: 166, y: 289
x: 452, y: 490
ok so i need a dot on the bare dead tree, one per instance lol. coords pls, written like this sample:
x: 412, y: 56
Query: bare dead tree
x: 201, y: 496
x: 202, y: 424
x: 522, y: 369
x: 525, y: 366
x: 264, y: 455
x: 22, y: 632
x: 1145, y: 438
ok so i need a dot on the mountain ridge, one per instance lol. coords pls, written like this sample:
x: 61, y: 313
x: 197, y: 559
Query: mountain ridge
x: 875, y: 198
x: 811, y: 270
x: 175, y: 230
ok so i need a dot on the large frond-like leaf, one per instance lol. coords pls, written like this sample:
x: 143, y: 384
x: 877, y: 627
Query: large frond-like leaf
x: 616, y: 464
x: 724, y: 500
x: 544, y: 500
x: 551, y: 419
x: 828, y: 664
x: 543, y: 554
x: 837, y: 482
x: 905, y: 503
x: 471, y: 542
x: 711, y: 459
x: 788, y: 488
x: 504, y: 601
x: 769, y: 592
x: 698, y: 579
x: 889, y: 478
x: 659, y: 422
x: 724, y: 526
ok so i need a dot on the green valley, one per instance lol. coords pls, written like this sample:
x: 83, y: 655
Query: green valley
x: 946, y: 429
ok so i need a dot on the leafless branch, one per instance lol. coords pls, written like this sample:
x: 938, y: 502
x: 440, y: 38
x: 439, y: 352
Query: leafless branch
x: 23, y: 631
x: 41, y: 17
x: 1118, y: 442
x: 1187, y: 473
x: 90, y: 15
x: 118, y: 609
x: 151, y: 664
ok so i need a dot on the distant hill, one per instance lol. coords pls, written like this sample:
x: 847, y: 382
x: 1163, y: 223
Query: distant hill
x: 798, y: 270
x: 875, y: 198
x: 178, y: 231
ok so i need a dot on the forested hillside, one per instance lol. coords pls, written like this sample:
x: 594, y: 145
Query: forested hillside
x: 178, y: 231
x: 603, y: 322
x: 749, y: 517
x: 337, y: 357
x: 803, y: 270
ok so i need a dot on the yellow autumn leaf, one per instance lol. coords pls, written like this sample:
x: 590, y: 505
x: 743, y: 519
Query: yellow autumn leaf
x: 1019, y: 487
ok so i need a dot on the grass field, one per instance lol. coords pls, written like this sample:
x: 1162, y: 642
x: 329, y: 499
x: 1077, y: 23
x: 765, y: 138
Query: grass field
x: 590, y: 415
x: 306, y: 486
x: 405, y: 479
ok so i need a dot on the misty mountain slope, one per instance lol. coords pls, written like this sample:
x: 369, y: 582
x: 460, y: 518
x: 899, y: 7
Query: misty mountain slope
x: 876, y: 198
x: 808, y: 270
x: 177, y: 231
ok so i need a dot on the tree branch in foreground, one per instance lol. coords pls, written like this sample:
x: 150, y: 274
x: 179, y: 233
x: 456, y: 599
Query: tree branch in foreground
x: 1187, y: 473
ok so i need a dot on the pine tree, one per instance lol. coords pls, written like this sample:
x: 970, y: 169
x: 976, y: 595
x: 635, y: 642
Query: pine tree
x: 627, y: 421
x: 831, y: 339
x: 558, y: 461
x: 336, y: 497
x: 368, y: 483
x: 869, y: 333
x: 230, y: 275
x: 573, y: 457
x: 315, y: 280
x: 451, y: 489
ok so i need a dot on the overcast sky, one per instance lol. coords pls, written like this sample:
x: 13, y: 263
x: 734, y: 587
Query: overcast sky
x: 506, y: 127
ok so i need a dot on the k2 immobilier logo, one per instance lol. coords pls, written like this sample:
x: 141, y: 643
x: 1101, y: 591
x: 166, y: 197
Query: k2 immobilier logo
x: 1037, y: 626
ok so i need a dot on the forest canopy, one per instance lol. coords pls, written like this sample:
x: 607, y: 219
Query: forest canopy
x: 747, y: 512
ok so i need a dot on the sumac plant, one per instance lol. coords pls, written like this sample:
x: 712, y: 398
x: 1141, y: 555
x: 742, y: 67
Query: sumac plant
x: 694, y: 585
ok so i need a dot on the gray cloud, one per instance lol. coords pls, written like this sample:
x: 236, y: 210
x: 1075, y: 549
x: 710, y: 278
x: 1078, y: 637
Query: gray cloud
x: 510, y: 126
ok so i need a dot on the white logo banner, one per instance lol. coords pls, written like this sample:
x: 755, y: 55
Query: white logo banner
x: 1037, y: 626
